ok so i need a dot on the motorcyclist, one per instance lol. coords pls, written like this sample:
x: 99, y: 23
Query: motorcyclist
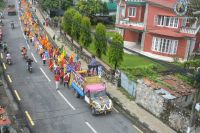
x: 5, y: 47
x: 29, y: 62
x: 12, y: 25
x: 8, y: 57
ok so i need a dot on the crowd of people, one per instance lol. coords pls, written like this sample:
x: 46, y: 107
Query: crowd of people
x: 55, y: 58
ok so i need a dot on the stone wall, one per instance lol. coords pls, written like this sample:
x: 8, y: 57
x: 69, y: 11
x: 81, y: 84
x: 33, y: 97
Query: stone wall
x: 147, y: 98
x: 179, y: 119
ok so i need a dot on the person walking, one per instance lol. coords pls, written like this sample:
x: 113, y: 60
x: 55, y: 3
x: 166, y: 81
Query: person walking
x: 44, y: 58
x: 66, y: 79
x: 61, y: 75
x: 57, y: 80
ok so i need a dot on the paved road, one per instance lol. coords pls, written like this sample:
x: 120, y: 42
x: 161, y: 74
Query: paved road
x: 53, y: 111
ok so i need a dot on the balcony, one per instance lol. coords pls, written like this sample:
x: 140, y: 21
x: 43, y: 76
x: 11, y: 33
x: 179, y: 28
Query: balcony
x: 188, y: 30
x: 127, y: 24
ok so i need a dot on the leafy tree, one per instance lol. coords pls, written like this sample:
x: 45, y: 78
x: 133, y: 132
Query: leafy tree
x: 76, y: 23
x: 67, y: 20
x: 116, y: 52
x: 104, y: 9
x: 49, y: 4
x: 100, y: 40
x: 55, y: 4
x: 66, y: 4
x: 85, y: 37
x: 89, y: 8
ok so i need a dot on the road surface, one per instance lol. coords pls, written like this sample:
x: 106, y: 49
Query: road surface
x: 48, y: 110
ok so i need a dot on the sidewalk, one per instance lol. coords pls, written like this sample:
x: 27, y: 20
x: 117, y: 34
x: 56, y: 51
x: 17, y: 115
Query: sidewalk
x: 144, y: 117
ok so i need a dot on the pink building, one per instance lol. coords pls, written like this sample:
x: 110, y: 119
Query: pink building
x: 152, y: 28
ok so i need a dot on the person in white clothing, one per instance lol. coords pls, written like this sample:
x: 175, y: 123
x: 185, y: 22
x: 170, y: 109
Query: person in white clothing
x: 44, y: 58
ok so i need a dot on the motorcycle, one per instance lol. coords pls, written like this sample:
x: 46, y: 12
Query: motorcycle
x: 30, y: 68
x: 12, y: 25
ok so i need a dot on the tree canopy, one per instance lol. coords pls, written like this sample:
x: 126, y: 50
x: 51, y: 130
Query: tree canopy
x: 85, y: 37
x: 55, y: 4
x: 76, y: 25
x: 67, y: 20
x: 100, y: 40
x: 90, y: 8
x: 116, y: 52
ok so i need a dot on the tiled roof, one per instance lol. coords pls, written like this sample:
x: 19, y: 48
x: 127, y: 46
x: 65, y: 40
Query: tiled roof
x: 165, y: 3
x: 180, y: 88
x: 112, y: 6
x: 170, y: 33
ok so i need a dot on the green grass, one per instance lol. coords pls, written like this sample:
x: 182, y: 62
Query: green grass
x: 128, y: 61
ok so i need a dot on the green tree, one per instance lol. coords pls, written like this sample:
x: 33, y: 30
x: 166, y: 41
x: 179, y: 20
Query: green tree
x: 115, y: 53
x: 100, y: 40
x: 67, y: 20
x: 104, y: 9
x: 55, y: 4
x: 66, y: 4
x: 49, y: 4
x: 76, y: 26
x: 89, y: 8
x: 85, y: 37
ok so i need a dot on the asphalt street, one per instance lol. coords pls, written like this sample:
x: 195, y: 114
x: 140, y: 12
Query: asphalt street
x: 48, y: 110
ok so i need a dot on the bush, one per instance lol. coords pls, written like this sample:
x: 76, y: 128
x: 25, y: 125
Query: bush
x: 141, y: 71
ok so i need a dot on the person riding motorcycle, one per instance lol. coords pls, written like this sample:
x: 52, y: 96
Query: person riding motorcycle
x: 23, y: 52
x: 12, y: 25
x: 29, y: 63
x: 8, y: 58
x: 5, y: 47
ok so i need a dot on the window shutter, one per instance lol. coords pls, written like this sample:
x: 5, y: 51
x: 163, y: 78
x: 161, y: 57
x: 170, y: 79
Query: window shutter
x: 155, y: 20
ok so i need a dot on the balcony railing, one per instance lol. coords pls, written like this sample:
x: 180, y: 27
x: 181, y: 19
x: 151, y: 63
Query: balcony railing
x: 129, y: 23
x: 192, y: 31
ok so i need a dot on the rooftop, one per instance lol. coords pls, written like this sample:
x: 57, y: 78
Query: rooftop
x: 165, y: 3
x: 174, y: 87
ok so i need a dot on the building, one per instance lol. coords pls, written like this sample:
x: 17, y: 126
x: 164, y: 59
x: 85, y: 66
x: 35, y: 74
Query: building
x: 169, y: 101
x: 152, y: 28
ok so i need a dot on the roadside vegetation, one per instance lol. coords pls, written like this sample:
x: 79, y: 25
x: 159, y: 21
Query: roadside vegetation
x: 108, y: 46
x: 2, y: 4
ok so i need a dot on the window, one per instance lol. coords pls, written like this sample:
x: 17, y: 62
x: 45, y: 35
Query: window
x: 167, y: 21
x: 131, y: 11
x: 163, y: 45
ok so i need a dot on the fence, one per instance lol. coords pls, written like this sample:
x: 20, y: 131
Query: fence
x: 128, y: 85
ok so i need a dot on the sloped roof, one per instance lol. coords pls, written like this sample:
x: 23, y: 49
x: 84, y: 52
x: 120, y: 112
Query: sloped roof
x: 165, y: 3
x: 112, y: 6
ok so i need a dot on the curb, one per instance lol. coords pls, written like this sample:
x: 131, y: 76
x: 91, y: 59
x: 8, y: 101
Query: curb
x: 21, y: 110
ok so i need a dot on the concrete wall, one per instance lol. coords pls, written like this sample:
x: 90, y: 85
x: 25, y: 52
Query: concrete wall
x: 131, y: 36
x: 146, y: 97
x: 179, y: 120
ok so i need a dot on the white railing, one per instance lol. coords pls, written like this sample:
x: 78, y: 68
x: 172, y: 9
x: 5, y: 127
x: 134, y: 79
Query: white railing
x: 129, y: 23
x: 136, y: 0
x: 190, y: 30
